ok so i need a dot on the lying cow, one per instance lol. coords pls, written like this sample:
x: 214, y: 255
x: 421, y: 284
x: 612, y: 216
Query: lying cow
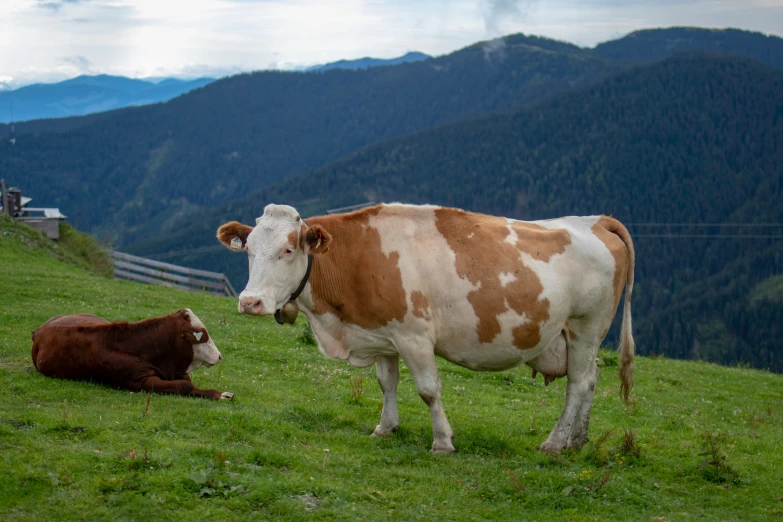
x: 484, y: 292
x: 152, y: 355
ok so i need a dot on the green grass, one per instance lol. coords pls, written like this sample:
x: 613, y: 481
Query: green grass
x: 707, y: 442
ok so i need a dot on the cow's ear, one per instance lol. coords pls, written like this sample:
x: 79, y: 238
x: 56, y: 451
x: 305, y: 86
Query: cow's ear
x: 317, y: 240
x: 234, y: 235
x: 197, y: 336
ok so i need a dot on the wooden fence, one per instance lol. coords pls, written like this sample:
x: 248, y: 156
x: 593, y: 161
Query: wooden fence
x: 153, y: 272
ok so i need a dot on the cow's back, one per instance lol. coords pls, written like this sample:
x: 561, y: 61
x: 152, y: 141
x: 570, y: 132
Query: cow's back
x: 67, y: 346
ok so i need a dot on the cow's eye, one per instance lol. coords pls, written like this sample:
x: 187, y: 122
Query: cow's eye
x: 289, y: 251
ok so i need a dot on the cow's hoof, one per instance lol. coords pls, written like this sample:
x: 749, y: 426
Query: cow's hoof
x: 380, y: 431
x: 444, y: 447
x: 551, y: 448
x: 576, y: 443
x: 227, y: 395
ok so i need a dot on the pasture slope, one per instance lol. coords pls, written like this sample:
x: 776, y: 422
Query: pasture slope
x: 78, y: 451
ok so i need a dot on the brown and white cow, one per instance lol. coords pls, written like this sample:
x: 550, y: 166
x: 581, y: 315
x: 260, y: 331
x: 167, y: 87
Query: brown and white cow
x: 484, y: 292
x: 156, y: 354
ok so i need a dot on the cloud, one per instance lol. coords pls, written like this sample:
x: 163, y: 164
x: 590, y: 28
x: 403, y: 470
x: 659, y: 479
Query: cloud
x: 80, y: 63
x: 497, y: 12
x: 55, y: 5
x: 47, y: 40
x: 6, y: 83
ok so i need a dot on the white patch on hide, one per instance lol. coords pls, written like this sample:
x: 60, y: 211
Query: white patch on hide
x: 506, y: 278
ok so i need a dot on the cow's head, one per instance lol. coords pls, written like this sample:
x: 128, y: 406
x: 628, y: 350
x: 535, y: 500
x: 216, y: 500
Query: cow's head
x: 193, y: 331
x: 277, y: 249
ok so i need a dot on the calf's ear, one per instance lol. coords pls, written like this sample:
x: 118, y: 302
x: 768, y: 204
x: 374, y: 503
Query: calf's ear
x: 196, y: 337
x: 317, y: 239
x: 234, y: 235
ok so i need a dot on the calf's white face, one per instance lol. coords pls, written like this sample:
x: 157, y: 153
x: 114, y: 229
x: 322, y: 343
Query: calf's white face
x: 204, y: 353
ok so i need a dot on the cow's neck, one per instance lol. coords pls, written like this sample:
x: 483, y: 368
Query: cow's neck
x: 354, y: 281
x: 154, y: 340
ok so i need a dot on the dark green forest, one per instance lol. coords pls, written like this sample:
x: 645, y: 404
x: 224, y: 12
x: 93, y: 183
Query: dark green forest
x: 694, y: 139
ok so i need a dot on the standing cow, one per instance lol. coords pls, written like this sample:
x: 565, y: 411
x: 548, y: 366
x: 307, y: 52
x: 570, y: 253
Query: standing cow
x: 484, y: 292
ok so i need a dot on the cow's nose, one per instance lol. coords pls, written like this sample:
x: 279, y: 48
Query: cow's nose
x: 220, y: 357
x: 250, y: 305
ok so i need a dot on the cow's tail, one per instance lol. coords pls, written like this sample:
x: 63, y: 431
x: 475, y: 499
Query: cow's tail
x: 627, y: 346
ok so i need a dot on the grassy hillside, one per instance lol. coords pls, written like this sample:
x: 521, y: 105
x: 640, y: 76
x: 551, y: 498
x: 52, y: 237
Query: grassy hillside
x: 693, y: 139
x: 706, y: 438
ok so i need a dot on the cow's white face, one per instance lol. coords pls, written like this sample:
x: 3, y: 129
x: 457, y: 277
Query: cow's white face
x: 277, y: 264
x: 205, y: 353
x: 277, y: 249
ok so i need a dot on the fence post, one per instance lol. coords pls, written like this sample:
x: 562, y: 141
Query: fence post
x: 5, y: 197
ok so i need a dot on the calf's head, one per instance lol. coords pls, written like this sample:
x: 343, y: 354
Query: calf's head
x: 277, y: 249
x: 193, y: 331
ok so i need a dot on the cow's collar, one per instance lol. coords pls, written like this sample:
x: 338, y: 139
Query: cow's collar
x: 299, y: 289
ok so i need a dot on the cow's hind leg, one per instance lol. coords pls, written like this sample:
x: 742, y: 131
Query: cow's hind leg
x: 571, y: 429
x: 421, y: 362
x: 387, y: 369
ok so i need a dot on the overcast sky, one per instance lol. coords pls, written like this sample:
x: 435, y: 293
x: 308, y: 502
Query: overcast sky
x: 50, y: 40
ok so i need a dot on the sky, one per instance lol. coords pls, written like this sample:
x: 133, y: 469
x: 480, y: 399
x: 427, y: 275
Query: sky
x: 52, y: 40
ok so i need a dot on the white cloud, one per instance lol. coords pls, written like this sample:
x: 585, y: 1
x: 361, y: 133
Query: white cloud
x: 215, y: 37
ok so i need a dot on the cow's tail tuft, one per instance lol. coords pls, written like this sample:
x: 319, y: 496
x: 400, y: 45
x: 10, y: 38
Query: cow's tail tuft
x: 627, y: 345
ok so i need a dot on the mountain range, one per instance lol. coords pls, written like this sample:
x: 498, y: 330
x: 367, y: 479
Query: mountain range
x: 367, y: 62
x: 95, y: 94
x: 88, y: 94
x: 658, y: 134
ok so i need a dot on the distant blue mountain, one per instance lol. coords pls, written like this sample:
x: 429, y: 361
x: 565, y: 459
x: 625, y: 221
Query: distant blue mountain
x: 365, y: 63
x: 88, y: 94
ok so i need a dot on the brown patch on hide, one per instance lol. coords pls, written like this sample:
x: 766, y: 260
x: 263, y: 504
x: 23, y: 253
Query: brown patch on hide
x: 293, y: 239
x: 354, y: 279
x: 604, y: 230
x: 539, y: 242
x: 420, y: 304
x: 482, y: 254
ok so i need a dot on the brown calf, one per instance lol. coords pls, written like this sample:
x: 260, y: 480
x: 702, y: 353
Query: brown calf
x: 156, y: 354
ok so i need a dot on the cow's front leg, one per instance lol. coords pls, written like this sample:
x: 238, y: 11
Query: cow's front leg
x: 181, y: 387
x: 387, y: 369
x: 425, y: 374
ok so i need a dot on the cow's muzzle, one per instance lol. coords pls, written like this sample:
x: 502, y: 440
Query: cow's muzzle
x: 251, y: 305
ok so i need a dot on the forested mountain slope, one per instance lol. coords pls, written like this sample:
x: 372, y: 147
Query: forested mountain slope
x: 145, y: 164
x: 695, y: 139
x: 651, y: 45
